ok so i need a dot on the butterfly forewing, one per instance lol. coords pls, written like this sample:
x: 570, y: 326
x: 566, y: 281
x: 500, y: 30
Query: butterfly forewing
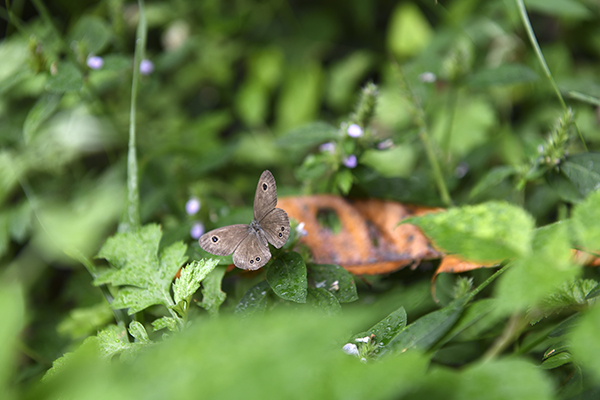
x: 252, y: 253
x: 265, y: 198
x: 223, y: 241
x: 276, y: 227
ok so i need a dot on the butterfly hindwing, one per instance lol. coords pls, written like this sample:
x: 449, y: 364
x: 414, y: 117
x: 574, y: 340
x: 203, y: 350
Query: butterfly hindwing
x: 276, y: 227
x: 223, y: 241
x: 265, y: 198
x: 252, y: 253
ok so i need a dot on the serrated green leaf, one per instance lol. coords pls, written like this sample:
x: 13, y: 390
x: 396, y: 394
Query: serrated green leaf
x: 323, y: 300
x: 147, y: 274
x: 494, y: 177
x: 254, y: 302
x: 549, y: 266
x: 92, y: 33
x: 584, y: 221
x: 570, y: 294
x: 427, y: 330
x: 386, y: 329
x: 112, y: 340
x: 508, y: 74
x: 86, y: 320
x: 308, y: 135
x: 336, y: 279
x: 68, y: 78
x: 137, y: 330
x: 39, y: 113
x: 486, y: 232
x: 565, y: 326
x: 212, y: 295
x: 287, y: 277
x: 165, y: 322
x: 583, y: 170
x: 190, y: 277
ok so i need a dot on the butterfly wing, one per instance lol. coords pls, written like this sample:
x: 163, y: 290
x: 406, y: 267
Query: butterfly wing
x: 265, y: 198
x: 276, y: 227
x: 252, y: 253
x: 223, y: 241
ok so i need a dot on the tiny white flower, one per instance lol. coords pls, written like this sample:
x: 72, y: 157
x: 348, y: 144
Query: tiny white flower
x: 300, y: 229
x: 319, y: 285
x: 335, y: 286
x: 192, y: 206
x: 351, y: 349
x: 354, y: 131
x: 365, y: 339
x: 427, y: 77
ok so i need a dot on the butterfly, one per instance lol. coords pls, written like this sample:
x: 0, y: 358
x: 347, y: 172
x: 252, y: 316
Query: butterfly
x: 250, y: 243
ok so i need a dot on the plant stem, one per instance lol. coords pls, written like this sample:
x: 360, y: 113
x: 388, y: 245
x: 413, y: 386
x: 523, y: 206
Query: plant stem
x: 131, y: 221
x: 542, y: 60
x: 513, y: 329
x: 419, y: 120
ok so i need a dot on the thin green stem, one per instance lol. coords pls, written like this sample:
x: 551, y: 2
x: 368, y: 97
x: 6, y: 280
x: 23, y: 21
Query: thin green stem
x: 515, y: 326
x: 542, y: 60
x: 489, y: 280
x: 420, y: 122
x: 131, y: 221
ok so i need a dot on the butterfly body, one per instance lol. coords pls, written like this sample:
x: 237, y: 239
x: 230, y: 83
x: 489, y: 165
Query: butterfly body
x: 250, y: 243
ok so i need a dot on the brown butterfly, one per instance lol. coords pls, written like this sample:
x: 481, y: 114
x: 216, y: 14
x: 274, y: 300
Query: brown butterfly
x: 250, y: 243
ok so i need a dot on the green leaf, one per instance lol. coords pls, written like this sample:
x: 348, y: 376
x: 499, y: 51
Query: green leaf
x: 324, y: 301
x: 389, y: 163
x: 584, y: 221
x: 190, y: 277
x: 92, y: 33
x: 557, y: 360
x: 137, y: 264
x: 212, y: 295
x: 343, y: 181
x: 39, y: 113
x: 137, y: 330
x: 287, y: 277
x: 508, y: 74
x: 345, y: 76
x: 583, y: 170
x: 254, y: 302
x: 300, y: 96
x: 165, y: 322
x: 477, y: 313
x: 549, y: 266
x: 427, y: 330
x: 585, y: 345
x: 386, y: 329
x: 334, y: 278
x: 84, y: 321
x: 409, y: 31
x: 68, y: 78
x: 12, y: 309
x: 487, y: 232
x: 571, y: 9
x: 504, y: 379
x: 494, y: 177
x: 308, y: 135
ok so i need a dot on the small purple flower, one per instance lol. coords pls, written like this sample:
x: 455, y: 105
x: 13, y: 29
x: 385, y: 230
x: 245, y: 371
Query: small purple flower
x: 329, y: 146
x: 385, y: 144
x: 354, y: 131
x: 95, y: 62
x: 146, y: 67
x: 350, y: 161
x: 192, y: 206
x: 197, y: 230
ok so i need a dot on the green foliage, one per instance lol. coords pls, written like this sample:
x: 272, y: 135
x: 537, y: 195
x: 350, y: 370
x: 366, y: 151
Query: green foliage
x: 494, y: 120
x: 487, y: 232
